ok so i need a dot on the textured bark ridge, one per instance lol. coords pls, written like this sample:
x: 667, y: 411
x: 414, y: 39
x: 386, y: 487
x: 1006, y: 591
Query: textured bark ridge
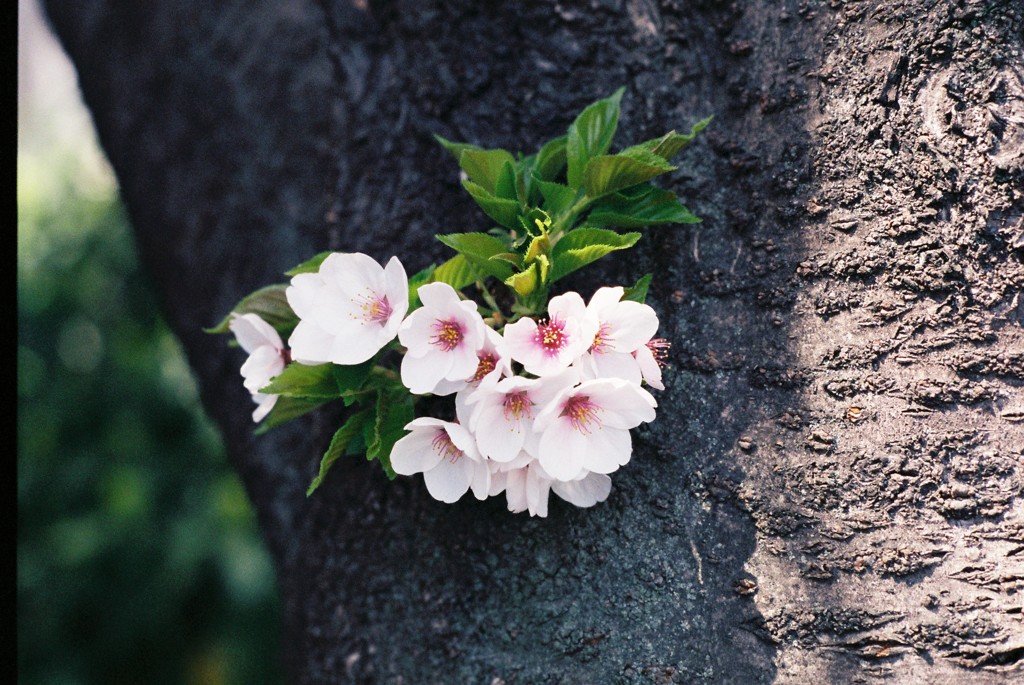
x: 832, y: 490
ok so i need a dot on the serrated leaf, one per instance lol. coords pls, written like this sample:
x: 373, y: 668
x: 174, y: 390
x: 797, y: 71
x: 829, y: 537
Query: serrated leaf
x: 511, y: 257
x: 305, y: 381
x: 270, y: 304
x: 394, y: 411
x: 525, y: 171
x: 310, y: 266
x: 557, y: 197
x: 638, y: 291
x: 590, y: 135
x: 458, y: 273
x: 339, y: 446
x: 607, y: 174
x: 455, y: 148
x: 654, y: 207
x: 350, y: 378
x: 541, y: 245
x: 551, y: 158
x: 478, y: 248
x: 669, y: 145
x: 286, y: 409
x: 505, y: 186
x: 484, y: 167
x: 525, y: 282
x: 505, y: 212
x: 581, y: 246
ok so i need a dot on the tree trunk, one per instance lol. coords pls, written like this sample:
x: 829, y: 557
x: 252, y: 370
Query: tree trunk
x: 832, y: 490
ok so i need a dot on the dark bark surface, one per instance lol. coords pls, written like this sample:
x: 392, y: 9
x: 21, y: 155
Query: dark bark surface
x: 832, y: 490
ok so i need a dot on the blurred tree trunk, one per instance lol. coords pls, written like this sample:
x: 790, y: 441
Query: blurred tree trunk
x: 832, y: 492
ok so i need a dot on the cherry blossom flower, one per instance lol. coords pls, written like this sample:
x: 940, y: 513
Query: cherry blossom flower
x: 348, y: 310
x: 504, y: 410
x: 586, y: 428
x: 650, y: 358
x: 527, y: 485
x: 267, y: 358
x: 442, y: 339
x: 446, y: 455
x: 492, y: 360
x: 622, y: 328
x: 553, y: 344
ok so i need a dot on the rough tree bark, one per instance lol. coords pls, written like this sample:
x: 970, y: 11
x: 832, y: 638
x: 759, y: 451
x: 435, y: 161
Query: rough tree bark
x: 832, y: 491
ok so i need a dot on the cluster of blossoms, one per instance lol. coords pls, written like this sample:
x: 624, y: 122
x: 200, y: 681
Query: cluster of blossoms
x: 544, y: 390
x: 543, y: 405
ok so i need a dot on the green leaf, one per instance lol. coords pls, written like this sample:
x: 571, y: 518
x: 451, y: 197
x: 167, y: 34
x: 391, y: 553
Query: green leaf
x: 478, y: 248
x: 485, y: 167
x: 638, y: 291
x: 310, y: 266
x: 270, y: 304
x: 510, y: 257
x: 541, y: 245
x: 591, y: 135
x: 525, y: 172
x: 655, y: 206
x: 551, y: 158
x: 455, y: 148
x: 557, y: 197
x: 304, y: 381
x: 607, y: 174
x: 669, y: 145
x: 286, y: 409
x: 525, y: 282
x: 505, y: 186
x: 458, y: 273
x: 350, y: 378
x: 339, y: 445
x: 394, y: 411
x: 581, y: 246
x: 501, y: 210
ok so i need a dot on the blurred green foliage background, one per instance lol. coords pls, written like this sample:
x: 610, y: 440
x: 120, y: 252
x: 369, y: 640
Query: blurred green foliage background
x: 138, y: 558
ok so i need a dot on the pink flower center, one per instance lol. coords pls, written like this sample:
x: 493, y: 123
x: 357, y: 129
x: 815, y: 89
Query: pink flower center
x: 602, y: 340
x: 374, y: 308
x: 488, y: 363
x: 551, y: 336
x: 659, y: 348
x: 444, y: 446
x: 583, y: 414
x: 447, y: 334
x: 517, y: 406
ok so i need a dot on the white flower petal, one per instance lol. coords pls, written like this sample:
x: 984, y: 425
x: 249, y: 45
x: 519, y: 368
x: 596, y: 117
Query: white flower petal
x: 649, y: 367
x: 632, y: 324
x: 625, y: 404
x: 252, y: 332
x: 415, y: 453
x: 263, y: 364
x: 447, y: 481
x: 585, y: 492
x: 537, y: 490
x: 515, y: 490
x: 266, y: 403
x: 302, y: 293
x: 616, y: 365
x: 422, y: 374
x: 310, y: 344
x: 498, y: 438
x: 479, y: 479
x: 607, y: 449
x: 562, y: 451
